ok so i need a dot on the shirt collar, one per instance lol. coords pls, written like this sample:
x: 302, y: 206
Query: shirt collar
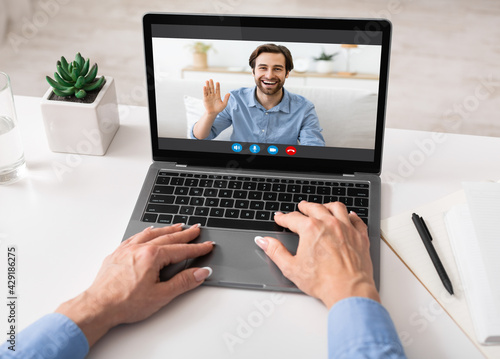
x: 283, y: 106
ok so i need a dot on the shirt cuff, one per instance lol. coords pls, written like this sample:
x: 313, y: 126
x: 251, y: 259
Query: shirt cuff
x: 362, y: 327
x: 52, y: 336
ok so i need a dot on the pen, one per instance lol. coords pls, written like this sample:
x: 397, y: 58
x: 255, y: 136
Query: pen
x: 424, y: 233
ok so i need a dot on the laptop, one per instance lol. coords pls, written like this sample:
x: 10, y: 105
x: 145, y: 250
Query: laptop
x: 321, y: 142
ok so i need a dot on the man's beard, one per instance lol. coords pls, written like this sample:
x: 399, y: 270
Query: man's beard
x: 272, y: 90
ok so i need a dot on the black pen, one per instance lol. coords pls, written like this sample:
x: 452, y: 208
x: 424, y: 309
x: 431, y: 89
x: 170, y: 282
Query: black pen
x: 424, y: 233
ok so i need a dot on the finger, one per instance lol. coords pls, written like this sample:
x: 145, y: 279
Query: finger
x: 211, y: 86
x: 315, y: 210
x: 182, y: 282
x: 277, y: 252
x: 358, y: 223
x: 151, y: 233
x: 294, y: 221
x: 226, y: 99
x: 175, y: 253
x: 217, y: 89
x: 181, y: 236
x: 339, y: 211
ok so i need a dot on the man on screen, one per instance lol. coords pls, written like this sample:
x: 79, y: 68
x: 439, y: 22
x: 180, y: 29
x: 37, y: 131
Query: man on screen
x: 266, y: 113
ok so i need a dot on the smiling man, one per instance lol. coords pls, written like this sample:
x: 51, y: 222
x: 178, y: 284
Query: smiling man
x: 266, y: 113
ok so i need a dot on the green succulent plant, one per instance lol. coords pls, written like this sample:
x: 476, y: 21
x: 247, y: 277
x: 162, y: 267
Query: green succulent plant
x: 75, y: 78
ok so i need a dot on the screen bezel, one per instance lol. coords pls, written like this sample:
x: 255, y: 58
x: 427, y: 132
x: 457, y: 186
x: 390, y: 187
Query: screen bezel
x: 367, y: 27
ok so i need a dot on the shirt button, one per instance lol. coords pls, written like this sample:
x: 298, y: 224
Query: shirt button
x: 263, y: 131
x: 267, y: 113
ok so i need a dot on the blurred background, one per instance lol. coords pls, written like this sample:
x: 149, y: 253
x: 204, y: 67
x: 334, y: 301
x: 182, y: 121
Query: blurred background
x: 445, y: 62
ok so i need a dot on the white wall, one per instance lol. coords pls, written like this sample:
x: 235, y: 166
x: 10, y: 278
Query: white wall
x: 171, y: 55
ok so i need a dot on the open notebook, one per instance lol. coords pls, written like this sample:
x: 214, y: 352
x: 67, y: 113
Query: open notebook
x: 400, y: 234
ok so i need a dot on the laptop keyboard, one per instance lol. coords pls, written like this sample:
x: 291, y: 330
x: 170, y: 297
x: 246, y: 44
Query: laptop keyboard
x: 242, y: 202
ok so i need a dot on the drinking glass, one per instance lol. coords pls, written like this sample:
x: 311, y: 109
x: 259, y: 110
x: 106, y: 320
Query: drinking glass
x: 12, y: 163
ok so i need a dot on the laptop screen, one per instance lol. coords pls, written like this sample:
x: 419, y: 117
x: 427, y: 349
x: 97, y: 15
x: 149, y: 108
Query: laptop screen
x: 267, y: 92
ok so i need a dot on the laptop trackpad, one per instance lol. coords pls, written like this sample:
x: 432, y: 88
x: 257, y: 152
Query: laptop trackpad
x: 238, y: 262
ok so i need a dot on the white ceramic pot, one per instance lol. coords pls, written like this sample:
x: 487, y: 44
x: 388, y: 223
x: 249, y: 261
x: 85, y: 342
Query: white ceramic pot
x: 324, y: 67
x: 80, y: 127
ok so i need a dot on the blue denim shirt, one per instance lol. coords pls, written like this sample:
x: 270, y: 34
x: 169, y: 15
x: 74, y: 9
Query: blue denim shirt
x: 293, y: 121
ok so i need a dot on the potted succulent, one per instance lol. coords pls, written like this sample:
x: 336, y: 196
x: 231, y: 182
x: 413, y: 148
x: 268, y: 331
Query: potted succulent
x: 324, y: 63
x: 80, y: 110
x: 200, y: 50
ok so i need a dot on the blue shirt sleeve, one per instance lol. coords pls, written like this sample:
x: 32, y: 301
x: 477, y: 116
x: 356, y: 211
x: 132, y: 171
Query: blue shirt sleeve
x: 362, y: 328
x: 52, y: 336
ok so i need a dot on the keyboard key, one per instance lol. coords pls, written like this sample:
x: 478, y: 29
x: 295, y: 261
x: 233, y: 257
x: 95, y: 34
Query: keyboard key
x: 299, y: 197
x: 163, y: 189
x: 254, y: 195
x: 250, y: 186
x: 181, y: 219
x: 201, y: 211
x: 225, y: 193
x: 212, y: 202
x: 279, y: 187
x: 361, y: 202
x: 309, y: 189
x: 167, y: 173
x: 206, y: 183
x: 195, y: 192
x: 216, y: 212
x: 165, y: 218
x: 182, y: 200
x: 294, y: 188
x: 272, y: 206
x: 191, y: 182
x: 234, y: 185
x: 220, y: 184
x: 227, y: 203
x: 181, y: 191
x: 161, y: 198
x: 162, y: 180
x: 241, y: 204
x: 362, y: 212
x: 285, y: 197
x: 177, y: 181
x: 287, y: 207
x: 194, y: 220
x: 186, y: 210
x: 197, y: 201
x: 240, y: 194
x: 338, y: 191
x: 210, y: 192
x: 315, y: 198
x: 246, y: 214
x: 243, y: 224
x: 328, y: 199
x: 362, y: 185
x: 149, y: 217
x: 357, y: 192
x: 346, y: 184
x: 264, y: 186
x: 232, y: 213
x: 269, y: 196
x: 264, y: 215
x: 323, y: 190
x: 162, y: 208
x: 256, y: 205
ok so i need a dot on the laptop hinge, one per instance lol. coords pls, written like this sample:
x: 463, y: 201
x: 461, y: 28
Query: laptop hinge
x: 348, y: 175
x: 180, y: 165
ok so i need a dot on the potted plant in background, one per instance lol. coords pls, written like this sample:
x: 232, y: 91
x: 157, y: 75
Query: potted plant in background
x: 324, y: 63
x: 200, y: 50
x: 80, y: 110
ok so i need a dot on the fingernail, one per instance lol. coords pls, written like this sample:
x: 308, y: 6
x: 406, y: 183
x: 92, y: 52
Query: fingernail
x: 178, y: 225
x: 261, y: 242
x: 277, y: 213
x: 148, y: 228
x: 202, y: 273
x: 196, y: 225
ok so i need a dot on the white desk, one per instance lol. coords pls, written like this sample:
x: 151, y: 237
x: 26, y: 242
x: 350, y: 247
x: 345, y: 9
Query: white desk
x: 65, y: 224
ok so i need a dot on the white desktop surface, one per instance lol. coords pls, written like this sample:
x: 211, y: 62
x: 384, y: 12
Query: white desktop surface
x: 70, y: 211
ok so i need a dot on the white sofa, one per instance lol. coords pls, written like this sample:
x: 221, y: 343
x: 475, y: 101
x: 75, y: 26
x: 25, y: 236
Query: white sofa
x: 347, y: 116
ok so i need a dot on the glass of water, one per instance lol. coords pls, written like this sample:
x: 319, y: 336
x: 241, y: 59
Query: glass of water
x: 12, y: 164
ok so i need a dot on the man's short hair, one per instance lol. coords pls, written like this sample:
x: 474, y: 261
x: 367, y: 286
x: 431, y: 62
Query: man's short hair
x: 276, y: 49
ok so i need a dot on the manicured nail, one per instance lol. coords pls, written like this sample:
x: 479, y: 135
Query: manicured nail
x: 178, y: 224
x: 261, y: 242
x: 197, y: 225
x: 148, y: 228
x: 278, y: 213
x: 202, y: 273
